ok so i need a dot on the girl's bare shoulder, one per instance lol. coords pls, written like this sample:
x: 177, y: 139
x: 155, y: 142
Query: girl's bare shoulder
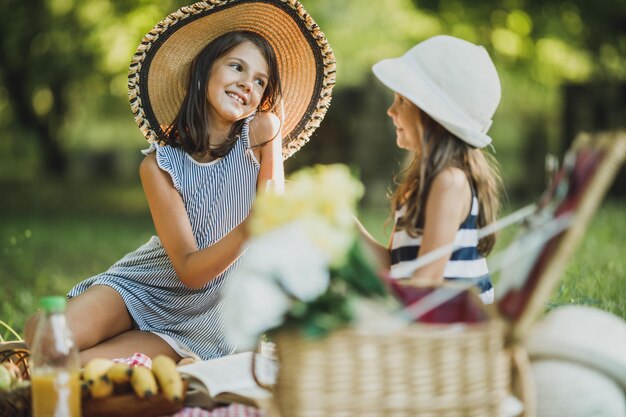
x: 148, y: 163
x: 263, y: 128
x: 451, y: 179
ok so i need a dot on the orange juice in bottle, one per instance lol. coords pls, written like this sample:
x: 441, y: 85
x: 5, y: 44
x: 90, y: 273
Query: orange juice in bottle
x: 55, y: 366
x: 56, y: 394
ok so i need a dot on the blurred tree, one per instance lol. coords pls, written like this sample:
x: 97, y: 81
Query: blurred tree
x: 56, y: 56
x: 63, y: 66
x: 561, y: 40
x: 41, y: 53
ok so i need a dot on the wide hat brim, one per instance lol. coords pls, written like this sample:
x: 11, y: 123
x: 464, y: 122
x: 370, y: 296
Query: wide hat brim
x: 159, y: 71
x: 396, y: 75
x: 584, y: 335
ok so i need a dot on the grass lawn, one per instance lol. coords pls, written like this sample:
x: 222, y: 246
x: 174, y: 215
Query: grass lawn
x: 52, y: 237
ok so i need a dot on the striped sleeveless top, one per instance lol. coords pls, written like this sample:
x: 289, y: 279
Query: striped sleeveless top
x: 217, y: 197
x: 465, y: 264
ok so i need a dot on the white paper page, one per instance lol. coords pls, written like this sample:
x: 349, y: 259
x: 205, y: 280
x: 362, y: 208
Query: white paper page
x: 230, y: 374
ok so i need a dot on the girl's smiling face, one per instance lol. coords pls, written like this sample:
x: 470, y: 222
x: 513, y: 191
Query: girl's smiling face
x: 408, y: 122
x: 236, y: 84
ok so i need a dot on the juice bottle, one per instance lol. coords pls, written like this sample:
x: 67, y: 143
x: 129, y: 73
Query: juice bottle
x: 55, y: 368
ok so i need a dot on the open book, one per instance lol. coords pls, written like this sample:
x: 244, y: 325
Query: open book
x: 229, y: 380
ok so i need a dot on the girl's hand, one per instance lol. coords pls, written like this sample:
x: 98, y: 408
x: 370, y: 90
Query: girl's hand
x: 420, y: 281
x: 265, y: 131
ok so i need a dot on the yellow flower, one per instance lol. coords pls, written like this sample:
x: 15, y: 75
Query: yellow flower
x: 323, y: 198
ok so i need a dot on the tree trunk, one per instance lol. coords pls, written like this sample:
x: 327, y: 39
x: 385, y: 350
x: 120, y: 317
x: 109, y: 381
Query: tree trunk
x: 54, y: 160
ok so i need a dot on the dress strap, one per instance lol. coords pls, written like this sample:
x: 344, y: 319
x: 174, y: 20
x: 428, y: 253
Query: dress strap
x: 245, y: 131
x: 150, y: 149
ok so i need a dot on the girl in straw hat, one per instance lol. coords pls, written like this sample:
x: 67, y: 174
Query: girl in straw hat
x: 446, y: 92
x: 223, y: 91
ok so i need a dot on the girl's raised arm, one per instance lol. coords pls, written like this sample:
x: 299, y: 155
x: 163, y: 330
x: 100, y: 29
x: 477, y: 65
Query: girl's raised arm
x: 194, y: 267
x: 265, y: 135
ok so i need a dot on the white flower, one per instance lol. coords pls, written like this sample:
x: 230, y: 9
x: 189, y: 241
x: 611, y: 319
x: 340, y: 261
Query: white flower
x: 288, y: 256
x: 299, y: 265
x: 278, y: 266
x: 253, y: 304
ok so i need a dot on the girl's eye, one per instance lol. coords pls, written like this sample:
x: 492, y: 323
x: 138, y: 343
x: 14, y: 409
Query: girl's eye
x: 260, y: 82
x: 237, y: 67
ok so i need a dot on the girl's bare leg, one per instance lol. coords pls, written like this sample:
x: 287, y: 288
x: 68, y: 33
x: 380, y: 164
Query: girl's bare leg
x: 127, y: 343
x: 96, y: 315
x: 103, y: 328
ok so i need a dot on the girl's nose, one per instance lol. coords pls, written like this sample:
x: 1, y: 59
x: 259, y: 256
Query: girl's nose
x: 245, y: 84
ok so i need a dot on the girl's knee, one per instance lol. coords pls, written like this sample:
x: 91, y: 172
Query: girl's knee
x: 97, y: 315
x: 30, y: 327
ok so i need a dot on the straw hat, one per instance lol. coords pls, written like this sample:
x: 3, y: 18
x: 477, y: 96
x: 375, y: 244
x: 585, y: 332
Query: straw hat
x: 451, y: 80
x: 159, y: 71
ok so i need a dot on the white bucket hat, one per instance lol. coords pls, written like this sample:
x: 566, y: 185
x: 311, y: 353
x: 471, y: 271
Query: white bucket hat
x: 584, y: 335
x: 451, y: 80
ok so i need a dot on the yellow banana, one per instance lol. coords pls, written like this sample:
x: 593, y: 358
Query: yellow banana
x: 100, y: 387
x: 143, y: 382
x: 168, y: 377
x: 119, y: 373
x: 96, y: 369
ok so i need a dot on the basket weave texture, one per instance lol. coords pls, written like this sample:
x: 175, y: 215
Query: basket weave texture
x: 419, y: 370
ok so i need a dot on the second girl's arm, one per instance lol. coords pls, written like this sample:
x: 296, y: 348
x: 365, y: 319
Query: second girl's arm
x: 447, y: 205
x: 194, y: 267
x: 379, y: 251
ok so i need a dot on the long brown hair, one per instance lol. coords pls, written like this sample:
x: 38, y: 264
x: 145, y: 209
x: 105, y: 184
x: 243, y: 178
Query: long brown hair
x: 190, y: 128
x: 439, y: 150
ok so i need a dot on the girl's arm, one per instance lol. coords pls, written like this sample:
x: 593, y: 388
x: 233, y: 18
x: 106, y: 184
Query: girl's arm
x: 263, y: 128
x: 379, y: 251
x: 447, y: 205
x: 194, y: 267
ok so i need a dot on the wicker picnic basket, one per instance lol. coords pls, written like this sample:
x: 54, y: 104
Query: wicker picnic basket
x: 417, y: 370
x: 445, y: 370
x: 16, y: 403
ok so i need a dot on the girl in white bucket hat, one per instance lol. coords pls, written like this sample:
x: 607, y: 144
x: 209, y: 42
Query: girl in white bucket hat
x: 446, y: 92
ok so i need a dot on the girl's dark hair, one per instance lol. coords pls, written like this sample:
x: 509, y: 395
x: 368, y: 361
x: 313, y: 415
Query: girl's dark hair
x: 190, y: 128
x: 439, y: 150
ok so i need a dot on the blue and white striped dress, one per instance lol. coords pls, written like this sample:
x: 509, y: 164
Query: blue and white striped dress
x: 465, y: 264
x: 217, y: 196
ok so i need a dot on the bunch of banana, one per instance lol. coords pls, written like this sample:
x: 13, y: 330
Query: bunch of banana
x: 170, y: 381
x: 164, y: 374
x: 103, y: 377
x: 95, y: 378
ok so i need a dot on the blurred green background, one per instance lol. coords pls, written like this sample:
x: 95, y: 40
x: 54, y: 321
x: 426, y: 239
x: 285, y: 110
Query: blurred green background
x: 69, y: 148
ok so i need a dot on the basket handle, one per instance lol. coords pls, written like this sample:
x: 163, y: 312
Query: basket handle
x: 259, y: 382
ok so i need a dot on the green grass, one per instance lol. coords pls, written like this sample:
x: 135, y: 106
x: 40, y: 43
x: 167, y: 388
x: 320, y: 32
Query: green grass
x: 54, y: 235
x: 596, y: 275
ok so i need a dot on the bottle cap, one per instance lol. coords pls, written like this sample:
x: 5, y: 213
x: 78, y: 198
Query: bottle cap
x: 53, y: 303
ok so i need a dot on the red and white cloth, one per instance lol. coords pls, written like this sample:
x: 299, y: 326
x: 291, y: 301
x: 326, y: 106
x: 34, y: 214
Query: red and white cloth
x: 137, y: 359
x: 232, y: 410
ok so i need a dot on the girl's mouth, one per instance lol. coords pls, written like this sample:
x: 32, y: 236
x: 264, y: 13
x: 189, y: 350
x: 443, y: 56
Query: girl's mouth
x: 236, y: 97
